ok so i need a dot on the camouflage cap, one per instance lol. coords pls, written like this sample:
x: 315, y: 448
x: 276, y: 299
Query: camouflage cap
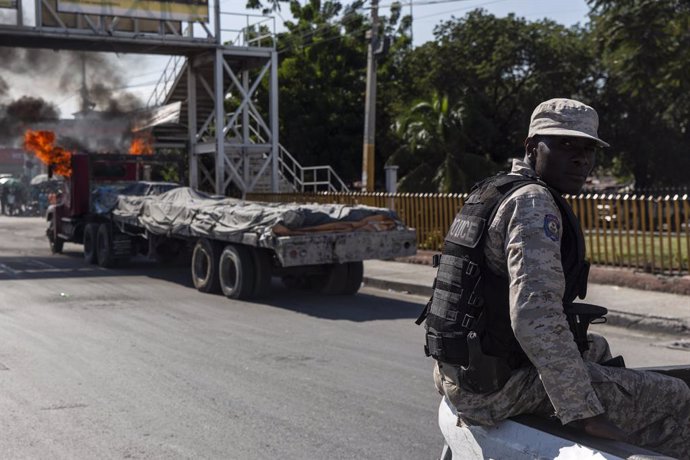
x: 565, y: 117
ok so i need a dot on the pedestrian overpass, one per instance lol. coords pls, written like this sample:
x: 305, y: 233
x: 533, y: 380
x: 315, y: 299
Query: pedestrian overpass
x: 225, y: 78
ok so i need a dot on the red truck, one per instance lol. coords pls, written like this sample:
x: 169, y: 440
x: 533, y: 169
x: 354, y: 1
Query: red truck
x: 235, y: 246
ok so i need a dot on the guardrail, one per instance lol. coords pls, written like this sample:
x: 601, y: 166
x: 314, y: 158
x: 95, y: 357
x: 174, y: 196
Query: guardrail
x: 303, y: 178
x: 649, y: 233
x: 309, y: 177
x: 256, y: 30
x: 166, y: 81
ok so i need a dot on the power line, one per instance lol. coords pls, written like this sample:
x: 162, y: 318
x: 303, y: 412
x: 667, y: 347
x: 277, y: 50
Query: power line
x: 65, y: 100
x: 421, y: 3
x: 457, y: 9
x: 311, y: 33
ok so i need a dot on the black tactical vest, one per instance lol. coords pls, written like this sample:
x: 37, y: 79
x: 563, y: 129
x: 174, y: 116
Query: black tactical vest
x: 469, y: 299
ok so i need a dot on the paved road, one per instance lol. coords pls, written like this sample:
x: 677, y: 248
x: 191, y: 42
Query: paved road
x: 137, y: 364
x: 134, y: 363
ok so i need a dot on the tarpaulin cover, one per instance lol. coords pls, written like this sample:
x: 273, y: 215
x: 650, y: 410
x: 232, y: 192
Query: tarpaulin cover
x: 184, y: 211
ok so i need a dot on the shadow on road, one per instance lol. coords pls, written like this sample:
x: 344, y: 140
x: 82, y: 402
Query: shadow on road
x: 72, y: 265
x: 361, y: 307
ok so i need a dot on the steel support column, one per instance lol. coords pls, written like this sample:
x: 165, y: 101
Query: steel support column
x: 219, y: 96
x: 191, y: 128
x: 245, y: 134
x: 273, y: 110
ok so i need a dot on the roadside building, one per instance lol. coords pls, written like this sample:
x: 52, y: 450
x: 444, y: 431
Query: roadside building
x: 18, y: 163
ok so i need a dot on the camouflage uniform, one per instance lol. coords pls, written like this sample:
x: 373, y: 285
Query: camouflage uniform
x: 523, y: 244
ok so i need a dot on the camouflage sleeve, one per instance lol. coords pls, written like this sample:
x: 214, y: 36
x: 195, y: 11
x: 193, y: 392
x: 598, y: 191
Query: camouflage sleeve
x: 533, y: 254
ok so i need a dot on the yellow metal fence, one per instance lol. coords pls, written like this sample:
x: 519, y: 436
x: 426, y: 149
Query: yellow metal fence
x: 650, y: 233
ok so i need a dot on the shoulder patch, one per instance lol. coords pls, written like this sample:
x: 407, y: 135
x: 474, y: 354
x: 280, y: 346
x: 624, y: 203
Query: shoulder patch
x: 552, y: 225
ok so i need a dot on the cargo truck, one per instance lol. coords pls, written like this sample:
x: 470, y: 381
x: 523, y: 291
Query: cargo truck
x: 234, y: 246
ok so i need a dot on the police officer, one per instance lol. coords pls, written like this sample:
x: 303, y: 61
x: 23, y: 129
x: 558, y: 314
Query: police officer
x: 497, y: 325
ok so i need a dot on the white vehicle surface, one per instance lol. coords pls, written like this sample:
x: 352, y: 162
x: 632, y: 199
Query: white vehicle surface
x: 528, y: 437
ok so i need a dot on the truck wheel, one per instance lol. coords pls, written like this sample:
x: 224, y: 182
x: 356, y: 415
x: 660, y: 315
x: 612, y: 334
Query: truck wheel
x: 90, y: 237
x: 56, y: 243
x: 104, y: 247
x: 236, y: 272
x: 205, y: 259
x: 355, y: 275
x: 262, y: 272
x: 335, y: 280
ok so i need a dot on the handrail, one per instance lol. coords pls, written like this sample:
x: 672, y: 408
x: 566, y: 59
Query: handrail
x: 165, y: 82
x: 297, y: 172
x: 247, y: 35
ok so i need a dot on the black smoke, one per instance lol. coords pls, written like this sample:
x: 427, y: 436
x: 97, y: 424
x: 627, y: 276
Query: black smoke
x: 17, y: 115
x: 62, y: 70
x: 106, y: 124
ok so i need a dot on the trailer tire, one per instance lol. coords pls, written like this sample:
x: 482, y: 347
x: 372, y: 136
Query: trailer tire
x: 355, y: 275
x: 236, y: 272
x: 56, y: 243
x: 205, y: 257
x: 90, y: 245
x: 335, y: 280
x: 262, y: 272
x: 104, y: 247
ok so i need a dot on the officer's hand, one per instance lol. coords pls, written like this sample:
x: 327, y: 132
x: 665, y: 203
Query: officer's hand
x: 601, y: 427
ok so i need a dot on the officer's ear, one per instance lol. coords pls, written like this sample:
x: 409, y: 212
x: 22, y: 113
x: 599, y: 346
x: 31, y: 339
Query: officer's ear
x: 531, y: 150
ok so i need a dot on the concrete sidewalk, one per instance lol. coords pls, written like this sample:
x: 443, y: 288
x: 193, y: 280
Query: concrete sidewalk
x: 639, y: 309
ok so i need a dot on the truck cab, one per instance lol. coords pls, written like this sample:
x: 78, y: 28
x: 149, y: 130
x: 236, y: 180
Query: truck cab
x: 74, y: 206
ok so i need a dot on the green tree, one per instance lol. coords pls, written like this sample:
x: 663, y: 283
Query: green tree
x: 433, y: 156
x: 645, y: 50
x: 271, y: 5
x: 499, y: 69
x: 323, y: 57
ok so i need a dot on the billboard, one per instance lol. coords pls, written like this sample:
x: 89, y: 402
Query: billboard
x: 8, y: 4
x: 51, y: 18
x: 170, y: 10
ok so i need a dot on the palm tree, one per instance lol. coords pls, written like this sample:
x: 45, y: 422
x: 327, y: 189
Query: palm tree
x: 433, y: 156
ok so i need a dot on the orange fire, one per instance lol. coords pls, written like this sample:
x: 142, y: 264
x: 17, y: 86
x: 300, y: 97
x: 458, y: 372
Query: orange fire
x: 42, y: 144
x: 141, y: 145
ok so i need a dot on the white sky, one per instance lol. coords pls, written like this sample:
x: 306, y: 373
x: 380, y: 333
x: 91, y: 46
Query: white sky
x: 141, y: 72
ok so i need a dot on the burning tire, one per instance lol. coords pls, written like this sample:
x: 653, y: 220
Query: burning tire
x: 90, y: 243
x: 236, y: 272
x: 205, y: 259
x: 104, y: 247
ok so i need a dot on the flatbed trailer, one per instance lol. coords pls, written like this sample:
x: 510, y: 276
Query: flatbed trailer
x: 233, y: 246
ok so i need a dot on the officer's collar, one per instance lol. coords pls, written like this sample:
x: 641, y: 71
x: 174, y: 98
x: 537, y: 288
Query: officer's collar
x: 523, y: 168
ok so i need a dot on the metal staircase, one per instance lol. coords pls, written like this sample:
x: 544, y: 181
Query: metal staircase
x: 250, y: 159
x: 213, y: 66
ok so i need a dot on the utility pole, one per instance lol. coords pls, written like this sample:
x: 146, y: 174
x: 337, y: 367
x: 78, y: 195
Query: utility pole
x: 370, y: 104
x: 411, y: 25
